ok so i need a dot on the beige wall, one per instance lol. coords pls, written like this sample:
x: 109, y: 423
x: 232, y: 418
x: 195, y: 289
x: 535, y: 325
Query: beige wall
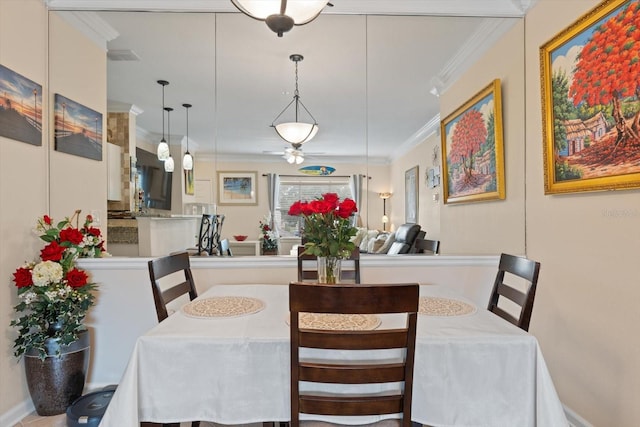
x: 27, y: 192
x: 586, y: 313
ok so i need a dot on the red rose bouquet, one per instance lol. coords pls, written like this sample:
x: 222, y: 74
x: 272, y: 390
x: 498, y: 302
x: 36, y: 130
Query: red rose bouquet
x: 327, y: 227
x: 54, y: 294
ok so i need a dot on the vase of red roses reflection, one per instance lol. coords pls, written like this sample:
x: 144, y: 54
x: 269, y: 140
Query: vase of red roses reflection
x: 327, y: 232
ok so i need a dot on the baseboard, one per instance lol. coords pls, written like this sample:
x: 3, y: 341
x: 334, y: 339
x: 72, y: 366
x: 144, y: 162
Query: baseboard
x: 16, y: 414
x: 574, y: 419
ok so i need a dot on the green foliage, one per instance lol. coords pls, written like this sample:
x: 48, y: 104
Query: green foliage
x: 565, y: 172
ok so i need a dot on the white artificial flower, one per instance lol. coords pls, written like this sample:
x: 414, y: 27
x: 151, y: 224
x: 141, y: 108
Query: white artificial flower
x: 29, y: 297
x: 52, y: 295
x: 46, y: 272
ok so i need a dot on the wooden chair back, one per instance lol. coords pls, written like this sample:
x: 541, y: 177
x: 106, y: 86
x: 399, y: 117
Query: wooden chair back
x: 164, y: 266
x: 428, y: 246
x: 308, y: 267
x: 523, y: 268
x: 353, y: 299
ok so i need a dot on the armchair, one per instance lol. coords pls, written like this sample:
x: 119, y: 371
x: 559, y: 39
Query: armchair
x: 405, y: 238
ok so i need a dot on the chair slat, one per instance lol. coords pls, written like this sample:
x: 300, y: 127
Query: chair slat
x: 363, y: 340
x: 351, y: 373
x: 351, y: 405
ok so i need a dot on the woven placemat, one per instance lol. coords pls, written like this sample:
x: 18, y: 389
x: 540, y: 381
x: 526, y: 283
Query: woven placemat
x: 338, y: 322
x: 229, y: 306
x: 436, y: 306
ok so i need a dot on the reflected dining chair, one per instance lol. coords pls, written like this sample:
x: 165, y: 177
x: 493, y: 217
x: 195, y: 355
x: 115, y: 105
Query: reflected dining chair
x: 427, y: 246
x: 308, y: 267
x: 170, y: 268
x: 353, y: 299
x: 513, y: 267
x: 224, y: 249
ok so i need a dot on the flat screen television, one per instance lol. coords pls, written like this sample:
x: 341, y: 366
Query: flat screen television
x: 153, y: 180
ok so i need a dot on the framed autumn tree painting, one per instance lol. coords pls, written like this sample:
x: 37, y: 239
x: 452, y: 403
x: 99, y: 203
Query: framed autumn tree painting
x: 473, y: 160
x: 591, y: 101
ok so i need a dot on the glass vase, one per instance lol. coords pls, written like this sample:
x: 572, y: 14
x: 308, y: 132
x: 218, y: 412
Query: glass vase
x: 329, y: 269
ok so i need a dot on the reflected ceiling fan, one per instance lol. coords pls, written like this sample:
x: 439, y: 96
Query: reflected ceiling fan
x: 294, y: 154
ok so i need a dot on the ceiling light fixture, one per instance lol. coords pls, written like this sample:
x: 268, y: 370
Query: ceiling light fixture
x: 163, y: 147
x: 296, y: 132
x: 281, y: 15
x: 187, y: 160
x: 294, y: 154
x: 168, y: 164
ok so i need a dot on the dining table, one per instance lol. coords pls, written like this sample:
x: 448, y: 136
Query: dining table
x: 225, y: 358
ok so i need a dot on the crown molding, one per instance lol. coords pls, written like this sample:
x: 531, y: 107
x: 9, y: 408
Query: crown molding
x: 495, y: 8
x: 123, y: 107
x: 92, y: 26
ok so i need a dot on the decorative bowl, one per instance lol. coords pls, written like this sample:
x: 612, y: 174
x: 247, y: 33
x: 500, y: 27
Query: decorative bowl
x: 240, y: 238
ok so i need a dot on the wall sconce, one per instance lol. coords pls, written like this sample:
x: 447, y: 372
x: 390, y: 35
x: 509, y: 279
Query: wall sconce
x: 385, y: 218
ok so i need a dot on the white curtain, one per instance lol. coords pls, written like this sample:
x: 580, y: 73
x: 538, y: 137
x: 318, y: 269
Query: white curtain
x: 355, y: 185
x: 273, y: 188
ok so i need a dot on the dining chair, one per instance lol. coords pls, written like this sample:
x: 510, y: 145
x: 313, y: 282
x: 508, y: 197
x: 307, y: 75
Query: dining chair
x: 352, y: 299
x: 208, y: 235
x: 513, y: 267
x: 308, y: 267
x: 430, y: 246
x: 165, y: 267
x: 170, y: 267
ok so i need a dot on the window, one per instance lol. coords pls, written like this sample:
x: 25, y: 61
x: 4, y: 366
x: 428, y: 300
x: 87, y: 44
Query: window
x: 294, y: 188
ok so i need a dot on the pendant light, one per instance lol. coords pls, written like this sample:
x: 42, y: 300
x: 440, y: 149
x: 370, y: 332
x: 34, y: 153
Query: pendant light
x: 168, y: 164
x: 163, y: 147
x: 281, y: 15
x: 296, y: 132
x: 187, y: 160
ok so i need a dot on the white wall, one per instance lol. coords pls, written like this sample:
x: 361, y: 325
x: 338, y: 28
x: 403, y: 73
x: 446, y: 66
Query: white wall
x: 38, y: 180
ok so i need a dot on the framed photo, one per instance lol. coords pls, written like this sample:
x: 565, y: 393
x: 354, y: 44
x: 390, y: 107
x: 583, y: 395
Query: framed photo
x: 411, y: 195
x: 472, y: 149
x: 237, y: 188
x: 20, y: 107
x: 189, y: 184
x: 590, y: 101
x: 78, y: 129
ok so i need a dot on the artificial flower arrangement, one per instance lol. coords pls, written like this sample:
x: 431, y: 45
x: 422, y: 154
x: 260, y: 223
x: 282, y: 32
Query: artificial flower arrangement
x: 54, y: 294
x: 268, y: 235
x: 327, y: 226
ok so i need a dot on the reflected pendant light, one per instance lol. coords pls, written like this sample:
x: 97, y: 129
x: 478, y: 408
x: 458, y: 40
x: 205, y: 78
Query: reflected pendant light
x: 296, y: 132
x: 281, y: 15
x: 168, y: 164
x: 163, y: 147
x: 187, y: 160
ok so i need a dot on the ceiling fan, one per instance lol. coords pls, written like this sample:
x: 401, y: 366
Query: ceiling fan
x: 294, y: 153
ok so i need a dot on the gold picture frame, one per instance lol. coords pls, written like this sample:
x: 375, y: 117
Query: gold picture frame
x: 590, y: 102
x: 237, y: 188
x: 472, y: 149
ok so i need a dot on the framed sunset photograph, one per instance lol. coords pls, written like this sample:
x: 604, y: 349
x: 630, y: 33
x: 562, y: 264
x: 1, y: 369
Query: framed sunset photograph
x: 78, y: 129
x: 472, y: 149
x: 20, y: 107
x: 591, y: 101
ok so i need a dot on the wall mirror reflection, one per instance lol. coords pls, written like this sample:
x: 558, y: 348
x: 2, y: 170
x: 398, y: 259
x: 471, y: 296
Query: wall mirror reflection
x: 371, y: 81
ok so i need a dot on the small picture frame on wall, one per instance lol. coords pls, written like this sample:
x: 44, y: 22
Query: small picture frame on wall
x: 237, y: 188
x: 78, y: 129
x: 411, y: 195
x: 472, y: 150
x: 20, y: 107
x: 591, y: 102
x: 189, y: 184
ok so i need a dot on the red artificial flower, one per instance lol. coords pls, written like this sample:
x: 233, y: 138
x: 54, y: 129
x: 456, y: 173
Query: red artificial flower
x: 47, y: 219
x: 306, y: 209
x: 76, y: 278
x: 72, y: 235
x: 346, y: 208
x: 22, y: 277
x: 52, y: 252
x: 93, y: 231
x: 89, y: 218
x: 295, y: 209
x: 321, y: 206
x: 331, y: 198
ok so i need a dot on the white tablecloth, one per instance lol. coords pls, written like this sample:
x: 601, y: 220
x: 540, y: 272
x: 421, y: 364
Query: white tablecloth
x: 471, y: 370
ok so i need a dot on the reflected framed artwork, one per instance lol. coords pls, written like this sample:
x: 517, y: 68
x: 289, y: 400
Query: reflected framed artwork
x: 591, y: 101
x: 472, y: 149
x: 78, y: 129
x: 20, y: 107
x: 411, y: 195
x: 237, y: 188
x: 189, y: 184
